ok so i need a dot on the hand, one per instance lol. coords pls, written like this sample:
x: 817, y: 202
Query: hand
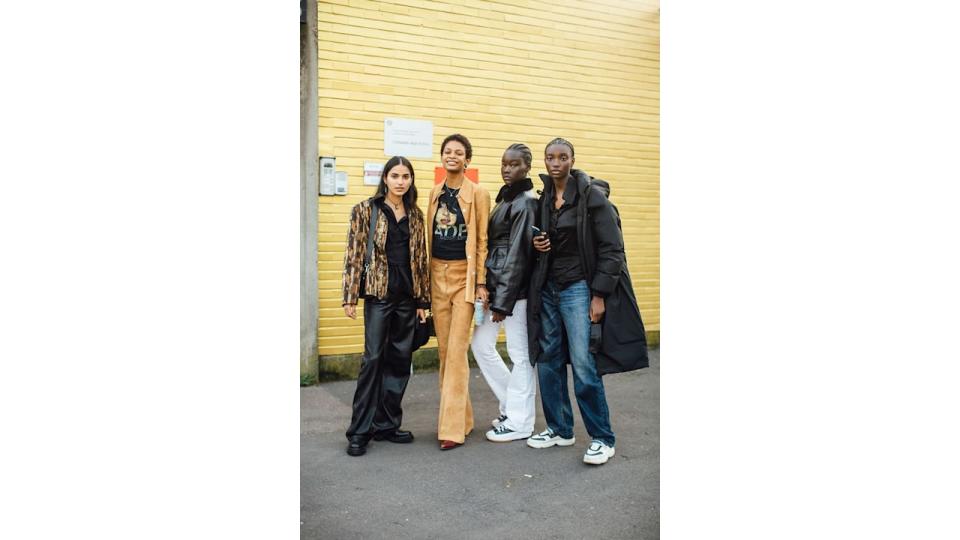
x: 350, y: 310
x: 484, y: 294
x: 597, y: 309
x: 497, y: 317
x: 422, y: 315
x: 541, y: 243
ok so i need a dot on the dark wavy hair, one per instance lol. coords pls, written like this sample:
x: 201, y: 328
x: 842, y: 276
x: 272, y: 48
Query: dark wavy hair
x: 460, y: 139
x: 410, y: 197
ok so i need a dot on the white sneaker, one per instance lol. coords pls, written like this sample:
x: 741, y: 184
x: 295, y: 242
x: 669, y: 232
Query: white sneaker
x: 502, y: 433
x: 548, y: 438
x: 598, y: 453
x: 498, y: 420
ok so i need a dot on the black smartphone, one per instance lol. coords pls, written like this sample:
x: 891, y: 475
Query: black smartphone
x: 537, y: 231
x: 596, y: 337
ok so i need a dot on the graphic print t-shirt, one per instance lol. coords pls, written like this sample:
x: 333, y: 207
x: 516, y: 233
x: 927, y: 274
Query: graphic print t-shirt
x: 449, y: 229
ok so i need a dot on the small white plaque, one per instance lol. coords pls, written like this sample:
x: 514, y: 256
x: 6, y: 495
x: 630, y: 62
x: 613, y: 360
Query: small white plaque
x: 407, y: 138
x: 371, y: 173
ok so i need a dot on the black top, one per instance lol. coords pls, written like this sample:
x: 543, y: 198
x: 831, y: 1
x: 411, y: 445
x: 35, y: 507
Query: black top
x: 449, y: 228
x: 399, y: 276
x: 565, y: 266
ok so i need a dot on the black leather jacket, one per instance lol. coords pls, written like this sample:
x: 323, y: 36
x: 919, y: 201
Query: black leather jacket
x: 510, y: 246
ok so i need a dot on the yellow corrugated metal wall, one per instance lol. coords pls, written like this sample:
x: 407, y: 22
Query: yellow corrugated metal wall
x: 498, y: 72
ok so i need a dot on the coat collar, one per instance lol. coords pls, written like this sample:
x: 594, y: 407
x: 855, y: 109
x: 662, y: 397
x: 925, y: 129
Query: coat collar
x: 510, y: 192
x: 581, y: 178
x: 465, y: 194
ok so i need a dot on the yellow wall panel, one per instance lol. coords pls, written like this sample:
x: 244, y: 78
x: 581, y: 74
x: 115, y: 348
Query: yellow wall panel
x: 499, y: 72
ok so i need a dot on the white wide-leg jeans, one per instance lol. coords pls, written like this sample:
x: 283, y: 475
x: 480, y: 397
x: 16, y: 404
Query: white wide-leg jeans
x: 516, y: 390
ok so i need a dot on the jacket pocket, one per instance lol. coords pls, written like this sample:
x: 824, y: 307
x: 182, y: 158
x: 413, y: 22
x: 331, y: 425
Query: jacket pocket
x: 498, y: 258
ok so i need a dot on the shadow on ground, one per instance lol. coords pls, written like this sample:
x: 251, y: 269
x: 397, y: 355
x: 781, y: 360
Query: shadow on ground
x: 482, y: 489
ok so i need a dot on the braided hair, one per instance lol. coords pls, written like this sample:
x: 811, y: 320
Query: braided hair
x: 525, y: 153
x: 562, y: 141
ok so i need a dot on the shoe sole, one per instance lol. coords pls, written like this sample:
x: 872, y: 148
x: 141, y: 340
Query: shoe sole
x: 388, y: 439
x: 547, y: 444
x: 353, y: 452
x: 397, y: 441
x: 595, y: 460
x: 511, y: 439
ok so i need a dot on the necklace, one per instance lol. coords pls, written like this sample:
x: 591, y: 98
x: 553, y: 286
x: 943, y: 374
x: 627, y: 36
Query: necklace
x: 395, y: 206
x: 450, y: 191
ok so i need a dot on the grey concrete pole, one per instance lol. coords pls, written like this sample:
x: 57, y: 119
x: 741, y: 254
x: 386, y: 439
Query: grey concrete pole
x: 309, y: 190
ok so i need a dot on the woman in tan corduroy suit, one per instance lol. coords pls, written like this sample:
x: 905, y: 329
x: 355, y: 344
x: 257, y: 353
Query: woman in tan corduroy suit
x: 457, y: 236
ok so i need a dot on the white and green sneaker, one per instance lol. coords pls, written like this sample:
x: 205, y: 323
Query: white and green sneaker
x: 598, y: 453
x: 502, y: 433
x: 548, y: 438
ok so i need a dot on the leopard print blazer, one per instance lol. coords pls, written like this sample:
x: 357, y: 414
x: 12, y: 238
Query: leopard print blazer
x: 377, y: 273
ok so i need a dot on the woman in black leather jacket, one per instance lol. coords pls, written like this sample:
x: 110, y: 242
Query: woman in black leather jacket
x: 508, y: 265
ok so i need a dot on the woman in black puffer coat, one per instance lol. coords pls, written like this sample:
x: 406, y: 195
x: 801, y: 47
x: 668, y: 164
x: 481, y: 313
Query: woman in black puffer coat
x: 581, y: 305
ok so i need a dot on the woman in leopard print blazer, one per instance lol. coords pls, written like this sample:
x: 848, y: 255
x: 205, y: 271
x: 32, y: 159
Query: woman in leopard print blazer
x: 396, y: 291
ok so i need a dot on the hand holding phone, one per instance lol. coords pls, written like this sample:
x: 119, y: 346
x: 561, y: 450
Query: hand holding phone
x: 540, y: 240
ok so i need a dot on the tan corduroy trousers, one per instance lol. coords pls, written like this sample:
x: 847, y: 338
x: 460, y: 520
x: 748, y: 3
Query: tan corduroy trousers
x: 452, y: 316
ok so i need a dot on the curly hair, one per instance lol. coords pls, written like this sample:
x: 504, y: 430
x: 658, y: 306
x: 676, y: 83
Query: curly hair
x: 460, y: 139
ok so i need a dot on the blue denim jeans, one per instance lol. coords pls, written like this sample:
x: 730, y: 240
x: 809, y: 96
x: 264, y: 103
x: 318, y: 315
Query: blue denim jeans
x: 567, y: 313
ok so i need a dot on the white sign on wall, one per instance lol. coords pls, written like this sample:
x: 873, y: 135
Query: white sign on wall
x: 407, y: 138
x: 371, y: 173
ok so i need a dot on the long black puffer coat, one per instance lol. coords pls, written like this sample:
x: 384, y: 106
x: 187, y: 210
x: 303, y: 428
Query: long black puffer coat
x: 624, y: 343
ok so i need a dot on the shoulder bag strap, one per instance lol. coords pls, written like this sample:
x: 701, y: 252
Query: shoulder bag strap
x: 373, y: 228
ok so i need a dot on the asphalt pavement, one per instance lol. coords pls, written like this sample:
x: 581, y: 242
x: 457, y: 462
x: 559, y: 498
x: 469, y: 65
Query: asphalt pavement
x: 482, y: 489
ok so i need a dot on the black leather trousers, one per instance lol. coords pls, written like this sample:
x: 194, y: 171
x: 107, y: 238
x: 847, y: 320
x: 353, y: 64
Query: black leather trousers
x: 385, y: 367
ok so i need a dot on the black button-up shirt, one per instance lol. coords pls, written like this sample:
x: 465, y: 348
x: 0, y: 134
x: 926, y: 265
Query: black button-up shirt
x: 399, y: 276
x: 565, y: 267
